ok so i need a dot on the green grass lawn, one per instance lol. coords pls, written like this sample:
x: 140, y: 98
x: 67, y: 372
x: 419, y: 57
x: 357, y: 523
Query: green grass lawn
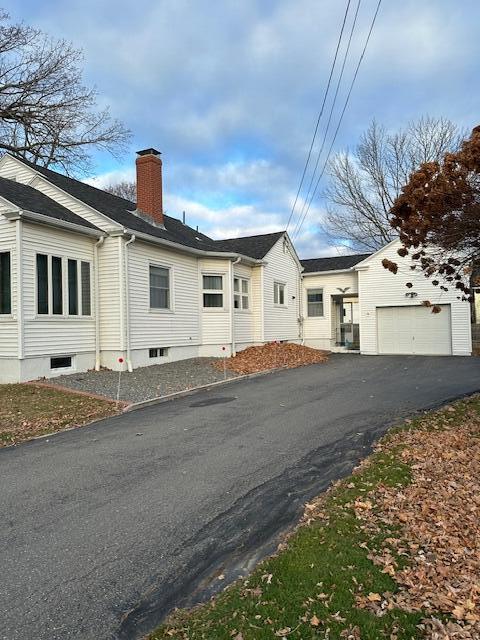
x: 309, y: 589
x: 27, y: 411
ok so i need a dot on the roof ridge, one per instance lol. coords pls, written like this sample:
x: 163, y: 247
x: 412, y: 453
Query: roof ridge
x: 255, y: 235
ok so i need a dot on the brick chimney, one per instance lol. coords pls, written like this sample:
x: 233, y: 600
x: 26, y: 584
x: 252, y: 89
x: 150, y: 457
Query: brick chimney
x: 149, y: 184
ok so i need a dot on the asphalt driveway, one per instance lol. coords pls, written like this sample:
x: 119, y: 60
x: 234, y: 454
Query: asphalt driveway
x: 105, y: 528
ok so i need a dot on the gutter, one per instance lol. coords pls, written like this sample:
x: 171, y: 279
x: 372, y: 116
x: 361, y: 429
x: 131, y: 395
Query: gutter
x: 327, y: 273
x: 96, y: 246
x: 127, y: 305
x: 232, y: 304
x: 184, y: 249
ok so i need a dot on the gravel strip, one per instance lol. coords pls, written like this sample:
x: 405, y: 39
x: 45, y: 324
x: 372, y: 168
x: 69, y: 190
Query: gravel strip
x: 147, y: 382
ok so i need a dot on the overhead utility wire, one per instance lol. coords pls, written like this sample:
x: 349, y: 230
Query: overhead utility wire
x: 341, y: 115
x: 320, y: 151
x: 320, y: 114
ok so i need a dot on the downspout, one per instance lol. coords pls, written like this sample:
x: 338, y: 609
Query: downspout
x: 19, y: 255
x: 301, y: 317
x: 232, y: 304
x: 97, y: 244
x: 127, y: 306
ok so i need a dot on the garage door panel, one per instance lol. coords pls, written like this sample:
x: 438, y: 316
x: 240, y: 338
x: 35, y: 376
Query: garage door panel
x: 414, y: 330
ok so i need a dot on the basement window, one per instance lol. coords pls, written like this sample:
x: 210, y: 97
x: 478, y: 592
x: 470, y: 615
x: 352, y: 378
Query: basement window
x: 61, y: 362
x: 159, y: 352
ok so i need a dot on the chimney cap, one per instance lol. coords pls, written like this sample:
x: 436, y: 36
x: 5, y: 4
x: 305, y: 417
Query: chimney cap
x: 147, y: 152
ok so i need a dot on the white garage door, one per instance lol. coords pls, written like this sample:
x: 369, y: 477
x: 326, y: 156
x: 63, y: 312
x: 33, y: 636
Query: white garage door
x: 414, y: 330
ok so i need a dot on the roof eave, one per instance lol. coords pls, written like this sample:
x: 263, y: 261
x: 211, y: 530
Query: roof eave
x: 329, y: 272
x: 184, y: 248
x: 33, y: 216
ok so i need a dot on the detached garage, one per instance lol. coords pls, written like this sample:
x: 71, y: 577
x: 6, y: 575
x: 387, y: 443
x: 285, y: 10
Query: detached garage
x: 414, y: 330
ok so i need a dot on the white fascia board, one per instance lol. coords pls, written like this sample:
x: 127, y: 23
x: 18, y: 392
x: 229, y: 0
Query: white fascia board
x: 327, y: 273
x: 32, y: 216
x: 184, y: 249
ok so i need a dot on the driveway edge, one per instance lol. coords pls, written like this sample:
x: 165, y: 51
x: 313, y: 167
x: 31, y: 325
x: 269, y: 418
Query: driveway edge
x: 205, y: 387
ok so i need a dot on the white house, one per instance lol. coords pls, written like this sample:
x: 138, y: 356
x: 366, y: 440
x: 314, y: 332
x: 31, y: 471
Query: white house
x: 354, y: 303
x: 90, y: 280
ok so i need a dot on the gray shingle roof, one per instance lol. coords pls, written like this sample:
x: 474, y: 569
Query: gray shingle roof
x: 30, y: 199
x: 334, y: 263
x: 253, y: 246
x: 121, y: 211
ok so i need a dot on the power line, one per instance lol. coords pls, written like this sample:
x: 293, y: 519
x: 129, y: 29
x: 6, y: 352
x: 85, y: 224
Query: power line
x: 341, y: 116
x: 321, y: 112
x: 322, y: 146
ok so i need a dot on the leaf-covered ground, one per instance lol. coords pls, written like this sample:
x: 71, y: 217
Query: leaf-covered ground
x: 27, y: 411
x: 391, y: 552
x: 274, y: 355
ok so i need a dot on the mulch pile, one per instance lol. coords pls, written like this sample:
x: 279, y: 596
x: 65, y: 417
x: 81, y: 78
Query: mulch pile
x: 438, y: 520
x: 273, y: 355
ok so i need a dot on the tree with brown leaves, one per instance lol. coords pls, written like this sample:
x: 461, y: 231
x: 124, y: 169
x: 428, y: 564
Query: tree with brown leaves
x: 437, y: 217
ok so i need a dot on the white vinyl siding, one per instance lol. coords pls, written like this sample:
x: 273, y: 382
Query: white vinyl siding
x: 281, y: 322
x: 174, y: 327
x: 53, y: 334
x: 380, y: 288
x: 243, y: 321
x: 215, y: 322
x: 8, y: 322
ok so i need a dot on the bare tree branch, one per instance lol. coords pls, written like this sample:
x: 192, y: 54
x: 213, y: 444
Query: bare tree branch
x: 365, y: 184
x: 47, y: 115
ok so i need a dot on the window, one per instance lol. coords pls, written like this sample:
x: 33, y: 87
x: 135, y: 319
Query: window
x: 5, y: 283
x: 42, y: 284
x: 279, y: 293
x: 72, y: 288
x: 315, y: 303
x: 61, y: 362
x: 86, y: 289
x: 213, y: 292
x: 54, y: 275
x: 57, y: 287
x: 159, y: 287
x: 161, y: 352
x: 240, y: 294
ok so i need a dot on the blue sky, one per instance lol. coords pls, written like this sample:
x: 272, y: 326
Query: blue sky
x: 229, y: 91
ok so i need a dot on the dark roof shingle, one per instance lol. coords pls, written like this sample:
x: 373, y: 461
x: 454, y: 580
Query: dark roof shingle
x: 253, y: 246
x: 30, y: 199
x: 334, y: 263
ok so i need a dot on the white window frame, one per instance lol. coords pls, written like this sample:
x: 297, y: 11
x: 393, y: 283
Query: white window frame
x: 65, y: 299
x: 241, y: 295
x: 317, y: 289
x: 8, y: 316
x: 170, y: 307
x: 277, y: 302
x: 217, y: 291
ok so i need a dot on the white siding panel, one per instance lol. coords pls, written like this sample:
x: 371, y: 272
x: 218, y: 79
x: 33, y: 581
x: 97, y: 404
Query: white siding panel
x: 15, y: 170
x: 215, y: 322
x: 244, y: 320
x: 257, y: 302
x: 54, y: 335
x: 281, y: 323
x: 380, y: 288
x: 178, y: 326
x: 8, y: 324
x: 109, y: 293
x: 319, y: 331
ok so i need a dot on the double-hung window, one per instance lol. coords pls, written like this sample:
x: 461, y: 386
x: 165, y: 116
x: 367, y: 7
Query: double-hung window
x: 159, y: 287
x: 315, y: 303
x: 279, y: 294
x: 63, y: 286
x: 212, y: 291
x: 240, y: 294
x: 5, y: 284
